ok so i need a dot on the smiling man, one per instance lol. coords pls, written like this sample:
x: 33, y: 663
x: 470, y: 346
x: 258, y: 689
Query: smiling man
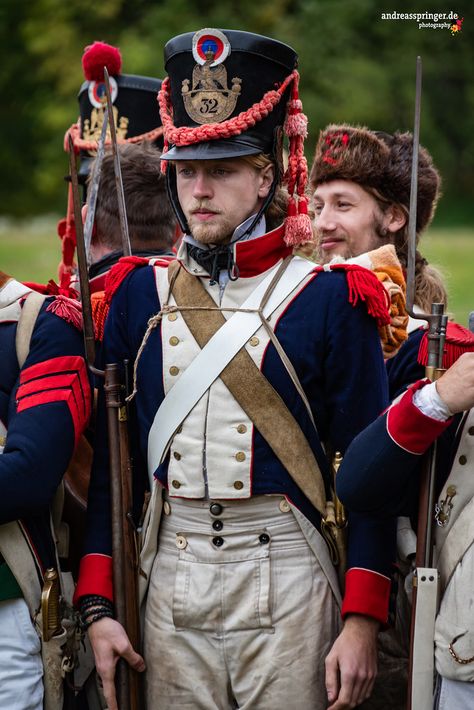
x: 350, y: 221
x: 360, y: 181
x: 240, y: 383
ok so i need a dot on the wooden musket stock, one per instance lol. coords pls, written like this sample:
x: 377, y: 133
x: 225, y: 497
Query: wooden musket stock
x: 124, y: 541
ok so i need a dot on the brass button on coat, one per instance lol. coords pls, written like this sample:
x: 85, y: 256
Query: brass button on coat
x: 238, y: 485
x: 174, y: 370
x: 216, y: 508
x: 172, y: 316
x: 241, y: 428
x: 463, y: 460
x: 174, y: 340
x: 284, y: 506
x: 176, y: 484
x: 177, y: 455
x: 254, y: 341
x: 240, y: 456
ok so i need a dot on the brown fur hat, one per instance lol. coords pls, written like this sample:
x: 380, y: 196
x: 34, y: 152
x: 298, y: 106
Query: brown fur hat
x: 380, y: 161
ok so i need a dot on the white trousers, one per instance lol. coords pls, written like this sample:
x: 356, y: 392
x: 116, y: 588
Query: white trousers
x: 454, y: 694
x: 21, y: 669
x: 239, y: 613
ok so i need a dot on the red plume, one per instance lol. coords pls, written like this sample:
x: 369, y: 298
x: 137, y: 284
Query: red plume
x: 99, y: 55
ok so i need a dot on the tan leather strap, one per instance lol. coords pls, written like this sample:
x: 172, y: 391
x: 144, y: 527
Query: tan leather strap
x: 259, y: 400
x: 26, y: 324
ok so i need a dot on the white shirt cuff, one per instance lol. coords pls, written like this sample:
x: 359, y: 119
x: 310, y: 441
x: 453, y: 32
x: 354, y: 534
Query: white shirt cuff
x: 428, y: 401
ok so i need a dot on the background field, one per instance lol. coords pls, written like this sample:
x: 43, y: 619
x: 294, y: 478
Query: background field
x: 31, y: 252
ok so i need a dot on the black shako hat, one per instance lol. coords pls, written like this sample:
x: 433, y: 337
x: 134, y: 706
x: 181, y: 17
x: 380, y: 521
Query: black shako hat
x: 230, y: 94
x: 217, y: 75
x: 134, y: 97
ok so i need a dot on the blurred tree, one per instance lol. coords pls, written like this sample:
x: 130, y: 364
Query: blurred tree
x: 355, y: 67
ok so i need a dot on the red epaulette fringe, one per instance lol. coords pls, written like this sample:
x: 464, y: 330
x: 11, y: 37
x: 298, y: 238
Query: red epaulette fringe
x: 119, y: 271
x: 67, y: 309
x: 52, y: 289
x: 100, y: 310
x: 365, y: 286
x: 101, y: 300
x: 459, y: 340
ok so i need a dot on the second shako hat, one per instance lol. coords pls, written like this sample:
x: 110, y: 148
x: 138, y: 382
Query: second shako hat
x: 230, y: 94
x: 136, y: 114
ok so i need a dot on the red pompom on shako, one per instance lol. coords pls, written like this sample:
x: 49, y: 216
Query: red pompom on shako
x: 99, y: 55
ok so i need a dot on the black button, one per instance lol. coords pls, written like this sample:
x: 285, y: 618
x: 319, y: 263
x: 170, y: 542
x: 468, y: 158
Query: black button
x: 217, y: 525
x: 264, y: 539
x: 216, y: 508
x: 218, y: 541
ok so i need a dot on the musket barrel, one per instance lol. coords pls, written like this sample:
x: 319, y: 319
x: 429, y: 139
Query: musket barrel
x: 89, y: 340
x: 414, y: 195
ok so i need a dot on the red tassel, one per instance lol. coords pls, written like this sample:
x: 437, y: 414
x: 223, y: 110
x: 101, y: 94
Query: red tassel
x: 365, y: 286
x: 298, y: 226
x: 296, y: 125
x: 67, y: 309
x: 459, y: 340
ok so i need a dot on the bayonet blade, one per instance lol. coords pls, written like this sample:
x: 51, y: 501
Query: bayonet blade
x: 414, y: 195
x: 94, y: 188
x: 89, y: 341
x: 118, y: 173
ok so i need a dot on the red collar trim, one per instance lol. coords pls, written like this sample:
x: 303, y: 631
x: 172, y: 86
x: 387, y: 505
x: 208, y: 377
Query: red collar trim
x: 255, y: 256
x: 98, y: 282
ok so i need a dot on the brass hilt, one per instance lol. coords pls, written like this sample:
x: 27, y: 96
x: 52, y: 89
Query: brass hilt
x: 50, y: 610
x: 339, y: 510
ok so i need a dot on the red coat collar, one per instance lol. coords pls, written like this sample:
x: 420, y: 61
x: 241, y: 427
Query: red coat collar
x: 253, y: 256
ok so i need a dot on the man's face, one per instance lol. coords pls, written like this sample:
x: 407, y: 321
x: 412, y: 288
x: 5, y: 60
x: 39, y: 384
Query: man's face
x: 218, y: 195
x: 348, y: 220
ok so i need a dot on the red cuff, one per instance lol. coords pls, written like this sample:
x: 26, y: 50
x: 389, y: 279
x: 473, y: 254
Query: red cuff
x: 409, y: 427
x: 367, y: 593
x: 95, y: 577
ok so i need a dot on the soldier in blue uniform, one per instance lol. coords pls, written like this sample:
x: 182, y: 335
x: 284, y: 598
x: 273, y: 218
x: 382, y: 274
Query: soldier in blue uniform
x: 386, y: 482
x: 247, y: 362
x: 44, y: 407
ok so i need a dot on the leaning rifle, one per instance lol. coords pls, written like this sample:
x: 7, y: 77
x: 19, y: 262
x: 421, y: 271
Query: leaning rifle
x: 124, y: 542
x: 425, y: 579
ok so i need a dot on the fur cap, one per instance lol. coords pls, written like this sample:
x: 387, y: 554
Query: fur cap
x: 380, y: 161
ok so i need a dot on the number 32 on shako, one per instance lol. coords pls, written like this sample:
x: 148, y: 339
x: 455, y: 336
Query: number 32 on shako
x: 210, y: 100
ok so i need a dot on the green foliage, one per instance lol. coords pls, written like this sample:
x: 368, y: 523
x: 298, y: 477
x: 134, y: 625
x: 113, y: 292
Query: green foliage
x: 355, y: 67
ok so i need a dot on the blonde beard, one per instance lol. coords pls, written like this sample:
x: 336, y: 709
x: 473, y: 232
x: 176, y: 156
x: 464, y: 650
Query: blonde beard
x: 212, y: 233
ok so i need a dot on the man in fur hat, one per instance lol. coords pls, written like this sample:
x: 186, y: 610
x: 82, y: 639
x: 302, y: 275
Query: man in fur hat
x: 239, y: 381
x: 44, y: 407
x: 360, y: 180
x: 361, y: 186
